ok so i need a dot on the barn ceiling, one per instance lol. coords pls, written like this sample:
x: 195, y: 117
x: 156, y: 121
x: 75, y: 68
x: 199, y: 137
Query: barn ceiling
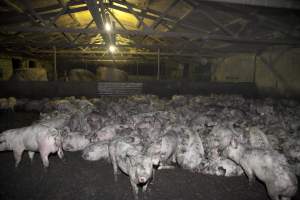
x: 141, y: 28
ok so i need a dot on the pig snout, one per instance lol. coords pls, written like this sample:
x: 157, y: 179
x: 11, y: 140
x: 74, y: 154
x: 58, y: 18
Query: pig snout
x: 142, y: 179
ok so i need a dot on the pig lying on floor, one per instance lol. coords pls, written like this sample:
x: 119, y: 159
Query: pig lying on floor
x: 34, y: 138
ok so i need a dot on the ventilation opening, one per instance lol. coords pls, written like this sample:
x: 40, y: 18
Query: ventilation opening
x: 31, y: 64
x: 17, y: 63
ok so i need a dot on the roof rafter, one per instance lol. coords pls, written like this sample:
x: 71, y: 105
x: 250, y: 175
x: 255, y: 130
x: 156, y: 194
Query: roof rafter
x: 158, y: 34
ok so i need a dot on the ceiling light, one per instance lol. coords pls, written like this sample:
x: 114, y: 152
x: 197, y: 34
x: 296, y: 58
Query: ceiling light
x: 112, y: 48
x: 107, y: 27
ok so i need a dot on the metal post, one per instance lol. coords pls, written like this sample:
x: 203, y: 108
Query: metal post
x: 137, y: 70
x: 54, y: 65
x: 254, y: 69
x: 158, y: 64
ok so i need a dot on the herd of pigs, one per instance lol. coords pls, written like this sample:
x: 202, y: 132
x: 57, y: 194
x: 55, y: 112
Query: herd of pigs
x: 217, y: 134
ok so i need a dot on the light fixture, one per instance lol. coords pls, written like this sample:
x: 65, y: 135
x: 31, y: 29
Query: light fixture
x: 112, y: 48
x: 107, y: 27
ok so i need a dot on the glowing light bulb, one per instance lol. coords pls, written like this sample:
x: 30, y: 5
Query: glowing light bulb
x: 112, y: 48
x: 107, y: 27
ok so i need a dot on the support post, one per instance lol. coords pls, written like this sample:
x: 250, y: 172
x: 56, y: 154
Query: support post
x: 158, y: 64
x: 137, y: 70
x: 54, y: 64
x: 254, y: 69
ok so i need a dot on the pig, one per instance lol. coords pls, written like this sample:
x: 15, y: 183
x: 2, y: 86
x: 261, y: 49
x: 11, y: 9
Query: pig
x: 12, y: 102
x: 58, y: 121
x: 111, y: 131
x: 258, y: 139
x: 63, y: 106
x: 75, y: 141
x: 291, y: 148
x: 222, y: 167
x: 190, y: 151
x: 8, y: 104
x: 267, y: 165
x: 34, y: 138
x: 78, y: 123
x: 96, y: 151
x: 164, y: 149
x: 94, y: 119
x: 126, y: 154
x: 35, y: 105
x: 3, y: 103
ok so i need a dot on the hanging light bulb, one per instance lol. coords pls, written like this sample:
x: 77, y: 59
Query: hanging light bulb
x: 112, y: 48
x: 107, y: 27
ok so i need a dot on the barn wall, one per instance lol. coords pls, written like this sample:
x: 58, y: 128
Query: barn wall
x: 286, y: 79
x: 283, y: 80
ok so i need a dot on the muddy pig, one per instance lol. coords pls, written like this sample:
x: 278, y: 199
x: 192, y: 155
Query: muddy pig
x: 35, y: 138
x: 96, y: 151
x: 127, y: 155
x: 267, y: 165
x: 75, y: 141
x: 111, y: 131
x: 190, y: 151
x: 164, y: 149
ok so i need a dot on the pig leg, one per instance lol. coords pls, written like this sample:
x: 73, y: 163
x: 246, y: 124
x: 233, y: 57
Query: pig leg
x: 273, y: 194
x: 249, y: 174
x: 44, y: 152
x: 44, y: 157
x: 135, y: 190
x: 115, y: 167
x: 60, y: 153
x: 153, y: 174
x: 31, y: 155
x: 18, y: 156
x: 3, y: 146
x: 145, y: 187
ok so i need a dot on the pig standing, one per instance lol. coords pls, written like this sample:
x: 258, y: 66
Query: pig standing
x: 32, y: 138
x: 126, y: 154
x: 267, y: 165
